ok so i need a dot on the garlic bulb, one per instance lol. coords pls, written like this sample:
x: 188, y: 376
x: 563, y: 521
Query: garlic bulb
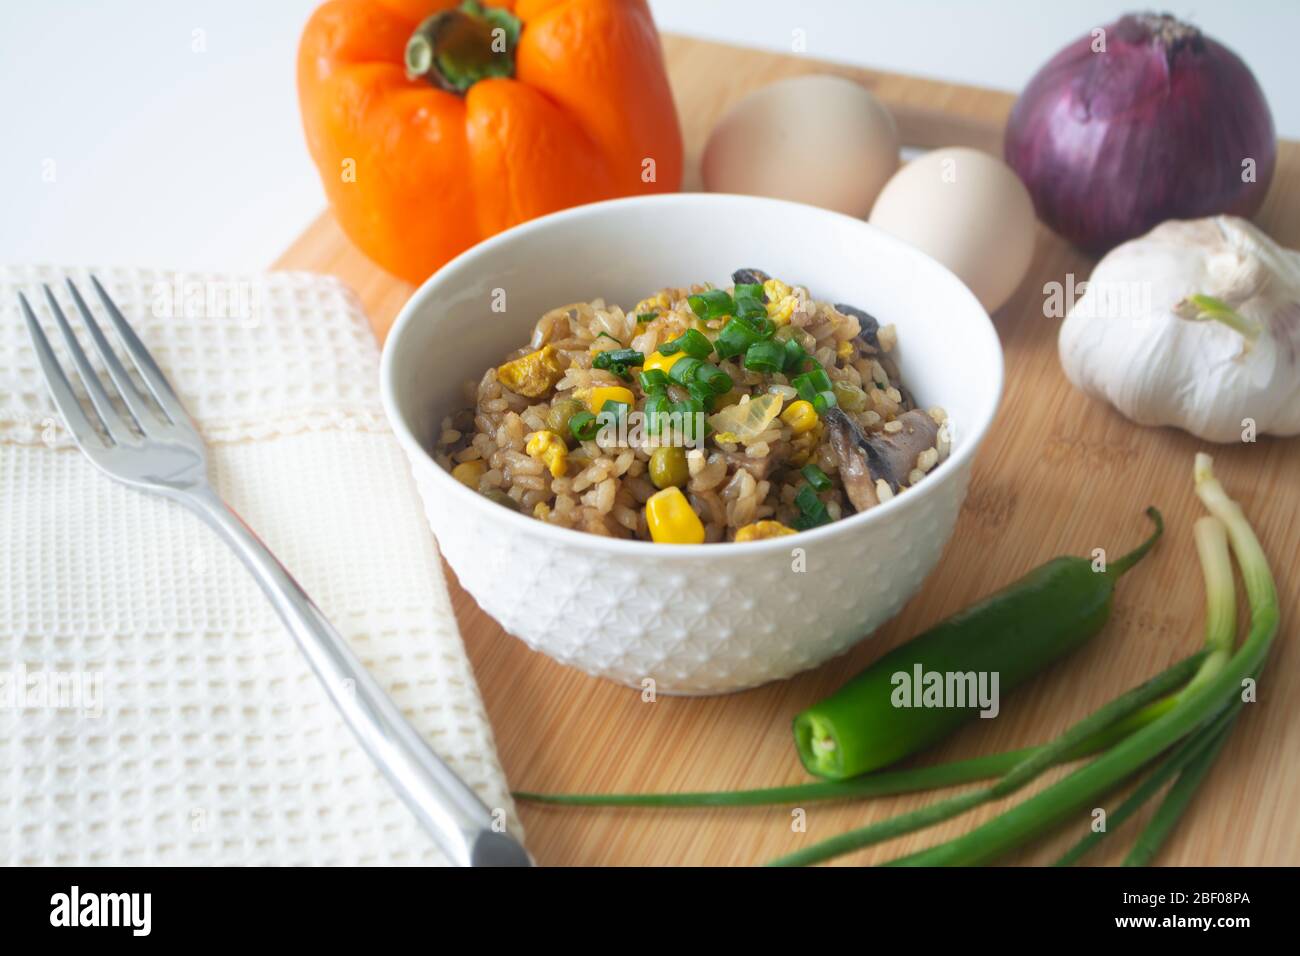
x: 1195, y: 324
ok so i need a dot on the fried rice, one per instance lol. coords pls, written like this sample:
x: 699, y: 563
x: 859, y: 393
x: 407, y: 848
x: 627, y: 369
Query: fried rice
x: 786, y: 455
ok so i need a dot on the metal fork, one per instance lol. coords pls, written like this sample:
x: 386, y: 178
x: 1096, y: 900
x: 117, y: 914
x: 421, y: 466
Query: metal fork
x: 157, y: 448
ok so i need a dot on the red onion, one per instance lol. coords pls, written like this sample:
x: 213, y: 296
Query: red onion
x: 1158, y: 125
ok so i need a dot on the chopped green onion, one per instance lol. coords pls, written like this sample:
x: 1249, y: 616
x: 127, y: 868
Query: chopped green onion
x: 652, y: 379
x: 689, y: 409
x: 750, y: 309
x: 713, y: 378
x: 824, y: 400
x: 693, y: 342
x: 736, y: 337
x: 702, y: 394
x: 643, y: 317
x: 656, y: 408
x: 684, y: 369
x: 809, y: 384
x: 584, y: 426
x: 748, y: 290
x: 795, y: 357
x: 712, y: 304
x: 816, y: 477
x: 812, y: 511
x: 765, y: 357
x: 617, y: 360
x: 608, y: 336
x: 612, y: 413
x: 689, y: 406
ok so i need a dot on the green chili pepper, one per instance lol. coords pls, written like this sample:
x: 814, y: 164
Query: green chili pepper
x: 1014, y: 633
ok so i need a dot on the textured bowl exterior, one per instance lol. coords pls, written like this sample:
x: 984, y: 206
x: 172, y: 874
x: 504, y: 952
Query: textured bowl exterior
x: 704, y: 619
x: 695, y: 624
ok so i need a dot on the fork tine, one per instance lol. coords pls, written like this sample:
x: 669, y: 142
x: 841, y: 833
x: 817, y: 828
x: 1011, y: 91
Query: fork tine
x: 117, y: 428
x: 136, y: 402
x: 149, y: 370
x: 83, y: 432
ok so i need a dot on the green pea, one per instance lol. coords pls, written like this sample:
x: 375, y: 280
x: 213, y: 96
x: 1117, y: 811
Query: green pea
x: 850, y: 397
x: 557, y: 419
x: 668, y: 467
x: 501, y: 498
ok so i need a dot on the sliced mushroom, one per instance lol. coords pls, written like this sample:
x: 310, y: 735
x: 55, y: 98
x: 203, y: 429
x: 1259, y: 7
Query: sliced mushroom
x: 866, y: 459
x: 847, y: 443
x: 749, y: 277
x: 869, y: 325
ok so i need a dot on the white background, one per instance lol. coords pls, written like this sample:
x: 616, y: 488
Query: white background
x: 167, y: 157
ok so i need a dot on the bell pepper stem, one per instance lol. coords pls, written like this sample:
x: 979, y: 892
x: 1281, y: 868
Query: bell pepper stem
x: 455, y: 48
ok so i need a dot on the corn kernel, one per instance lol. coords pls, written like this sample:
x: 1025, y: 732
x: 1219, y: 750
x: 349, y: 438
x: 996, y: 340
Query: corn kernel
x: 671, y: 519
x: 845, y: 350
x: 662, y: 362
x: 800, y: 416
x: 548, y: 447
x: 534, y: 374
x: 597, y: 397
x: 761, y: 530
x: 469, y: 472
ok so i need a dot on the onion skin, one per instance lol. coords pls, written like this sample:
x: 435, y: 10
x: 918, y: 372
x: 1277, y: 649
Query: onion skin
x: 1156, y: 127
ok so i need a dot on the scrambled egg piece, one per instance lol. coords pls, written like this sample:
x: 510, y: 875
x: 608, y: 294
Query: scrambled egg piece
x: 550, y: 449
x: 760, y: 530
x: 534, y: 374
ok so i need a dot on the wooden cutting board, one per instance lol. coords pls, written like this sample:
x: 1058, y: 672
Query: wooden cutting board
x: 1059, y: 473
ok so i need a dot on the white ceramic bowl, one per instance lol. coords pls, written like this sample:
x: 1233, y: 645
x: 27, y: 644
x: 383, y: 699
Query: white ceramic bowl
x: 700, y: 619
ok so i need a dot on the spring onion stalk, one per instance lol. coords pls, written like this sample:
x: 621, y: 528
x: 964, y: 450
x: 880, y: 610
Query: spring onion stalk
x: 1050, y: 806
x: 1220, y: 629
x: 886, y: 829
x: 1211, y: 537
x: 1034, y: 764
x: 1179, y: 796
x: 883, y: 784
x: 1171, y: 765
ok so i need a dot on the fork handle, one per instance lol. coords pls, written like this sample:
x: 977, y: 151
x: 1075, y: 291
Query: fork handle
x: 445, y: 806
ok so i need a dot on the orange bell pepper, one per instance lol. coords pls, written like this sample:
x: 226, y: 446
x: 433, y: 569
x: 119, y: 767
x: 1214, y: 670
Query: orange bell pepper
x: 565, y: 102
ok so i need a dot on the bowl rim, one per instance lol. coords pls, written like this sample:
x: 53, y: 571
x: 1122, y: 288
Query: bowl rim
x: 965, y: 449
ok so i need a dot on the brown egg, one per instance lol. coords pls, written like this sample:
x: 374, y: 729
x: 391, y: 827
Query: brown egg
x: 968, y: 210
x: 822, y: 140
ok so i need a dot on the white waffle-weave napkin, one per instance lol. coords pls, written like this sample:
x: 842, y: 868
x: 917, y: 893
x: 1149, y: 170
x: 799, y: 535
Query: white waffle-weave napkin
x: 185, y: 727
